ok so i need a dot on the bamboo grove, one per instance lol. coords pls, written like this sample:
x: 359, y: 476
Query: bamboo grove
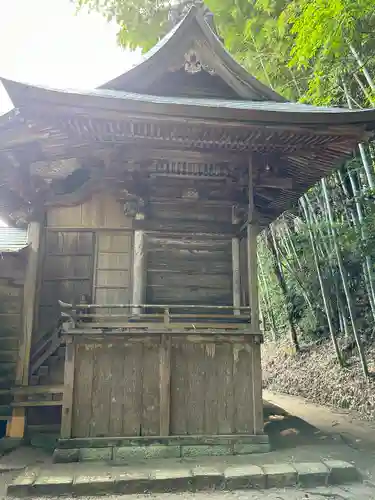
x: 317, y: 262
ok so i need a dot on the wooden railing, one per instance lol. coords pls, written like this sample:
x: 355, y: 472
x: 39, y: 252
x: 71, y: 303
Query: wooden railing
x: 157, y: 318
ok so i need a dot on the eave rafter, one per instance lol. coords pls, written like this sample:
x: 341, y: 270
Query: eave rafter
x: 153, y: 149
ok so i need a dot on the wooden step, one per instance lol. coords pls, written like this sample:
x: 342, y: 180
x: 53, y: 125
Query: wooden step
x: 52, y: 360
x: 61, y: 352
x: 6, y: 382
x: 5, y: 412
x: 8, y: 343
x: 34, y: 380
x: 7, y: 369
x: 43, y: 371
x: 8, y: 355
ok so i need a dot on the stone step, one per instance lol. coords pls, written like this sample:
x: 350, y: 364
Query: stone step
x: 128, y: 449
x: 178, y: 477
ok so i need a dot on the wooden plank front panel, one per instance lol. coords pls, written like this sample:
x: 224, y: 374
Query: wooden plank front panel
x: 211, y: 388
x: 113, y: 268
x: 66, y: 274
x: 116, y: 389
x: 189, y: 272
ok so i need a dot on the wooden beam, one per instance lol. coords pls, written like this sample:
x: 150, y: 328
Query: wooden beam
x: 139, y: 270
x: 274, y: 182
x: 135, y: 153
x: 256, y: 376
x: 252, y: 233
x: 255, y: 354
x: 185, y: 226
x: 236, y: 274
x: 67, y: 403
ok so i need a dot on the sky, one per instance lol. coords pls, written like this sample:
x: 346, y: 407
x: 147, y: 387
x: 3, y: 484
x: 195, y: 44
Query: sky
x: 45, y: 42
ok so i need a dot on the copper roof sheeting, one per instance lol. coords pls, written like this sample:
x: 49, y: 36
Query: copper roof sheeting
x: 266, y: 112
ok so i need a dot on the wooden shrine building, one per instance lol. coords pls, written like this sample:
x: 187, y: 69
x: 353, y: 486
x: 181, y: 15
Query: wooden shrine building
x: 144, y: 199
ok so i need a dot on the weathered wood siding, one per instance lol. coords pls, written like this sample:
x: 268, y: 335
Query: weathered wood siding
x: 102, y: 211
x: 116, y: 389
x: 212, y: 387
x: 86, y: 250
x: 181, y: 271
x: 118, y: 385
x: 12, y: 273
x: 66, y: 273
x: 11, y: 302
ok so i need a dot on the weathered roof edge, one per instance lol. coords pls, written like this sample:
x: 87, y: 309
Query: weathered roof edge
x: 140, y: 74
x: 266, y: 113
x: 12, y: 240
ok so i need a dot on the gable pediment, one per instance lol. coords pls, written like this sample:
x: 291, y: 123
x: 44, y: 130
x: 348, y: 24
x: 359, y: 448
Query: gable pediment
x: 191, y: 61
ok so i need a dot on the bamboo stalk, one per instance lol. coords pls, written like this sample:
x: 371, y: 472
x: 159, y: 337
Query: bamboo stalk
x: 344, y: 279
x: 362, y: 151
x: 271, y: 242
x: 321, y: 281
x: 362, y: 67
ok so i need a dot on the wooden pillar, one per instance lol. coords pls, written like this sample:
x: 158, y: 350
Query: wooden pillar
x: 256, y: 368
x: 252, y: 233
x: 139, y: 271
x: 236, y: 274
x: 16, y: 426
x: 67, y: 403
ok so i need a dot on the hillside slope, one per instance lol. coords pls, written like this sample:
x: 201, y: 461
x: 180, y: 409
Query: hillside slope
x: 315, y: 375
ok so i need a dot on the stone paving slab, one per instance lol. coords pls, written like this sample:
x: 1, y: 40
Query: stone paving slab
x: 183, y: 477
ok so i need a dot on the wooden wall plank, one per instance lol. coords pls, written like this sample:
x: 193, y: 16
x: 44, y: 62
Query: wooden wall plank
x: 258, y: 421
x: 82, y: 406
x: 210, y: 392
x: 195, y: 387
x: 211, y: 388
x: 189, y: 272
x: 225, y: 389
x: 151, y: 390
x: 116, y: 403
x: 101, y: 211
x: 243, y: 389
x: 132, y: 388
x: 101, y: 391
x: 179, y: 371
x: 165, y: 384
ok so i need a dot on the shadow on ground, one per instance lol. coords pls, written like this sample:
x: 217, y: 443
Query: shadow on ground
x: 289, y: 431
